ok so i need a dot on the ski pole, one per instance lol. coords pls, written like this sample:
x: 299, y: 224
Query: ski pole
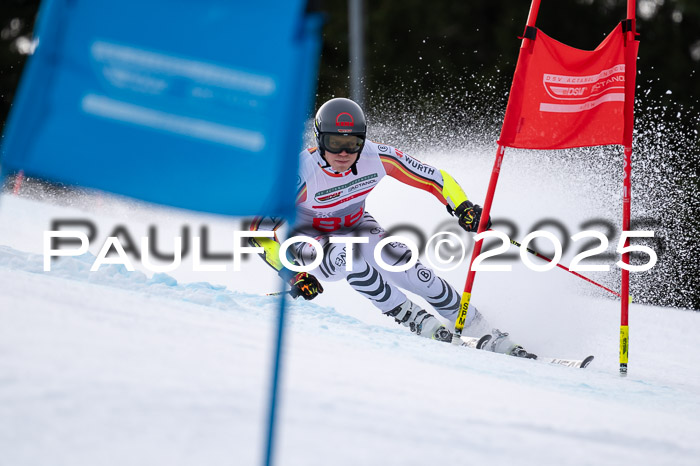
x: 515, y: 243
x: 278, y: 293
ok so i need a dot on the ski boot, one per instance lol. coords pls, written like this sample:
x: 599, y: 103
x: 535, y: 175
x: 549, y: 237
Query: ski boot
x: 419, y: 321
x: 498, y: 342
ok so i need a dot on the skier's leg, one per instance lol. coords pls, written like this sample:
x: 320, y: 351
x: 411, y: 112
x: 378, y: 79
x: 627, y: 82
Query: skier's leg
x: 364, y: 278
x: 421, y: 280
x: 424, y: 282
x: 370, y: 283
x: 417, y: 279
x: 445, y: 299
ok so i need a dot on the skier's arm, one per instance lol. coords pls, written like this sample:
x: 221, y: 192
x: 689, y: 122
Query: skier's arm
x: 437, y: 182
x: 302, y: 284
x: 270, y: 246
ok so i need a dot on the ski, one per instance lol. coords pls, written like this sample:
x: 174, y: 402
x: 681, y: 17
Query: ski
x: 472, y: 342
x: 477, y: 343
x: 582, y: 364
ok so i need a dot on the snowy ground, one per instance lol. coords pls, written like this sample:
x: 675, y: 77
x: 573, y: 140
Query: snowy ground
x: 112, y: 367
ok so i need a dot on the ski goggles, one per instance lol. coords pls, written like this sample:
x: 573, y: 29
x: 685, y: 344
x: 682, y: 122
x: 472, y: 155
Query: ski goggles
x: 342, y: 142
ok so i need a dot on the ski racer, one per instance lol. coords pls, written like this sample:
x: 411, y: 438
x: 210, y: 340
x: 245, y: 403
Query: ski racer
x: 335, y: 178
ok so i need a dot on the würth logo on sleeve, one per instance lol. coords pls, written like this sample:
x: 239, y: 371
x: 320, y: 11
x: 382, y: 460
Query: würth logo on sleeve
x: 575, y: 94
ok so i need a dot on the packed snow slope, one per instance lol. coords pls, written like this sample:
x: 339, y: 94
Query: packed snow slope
x: 115, y: 367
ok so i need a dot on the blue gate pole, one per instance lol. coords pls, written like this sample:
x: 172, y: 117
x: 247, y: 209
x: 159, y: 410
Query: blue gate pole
x: 277, y: 361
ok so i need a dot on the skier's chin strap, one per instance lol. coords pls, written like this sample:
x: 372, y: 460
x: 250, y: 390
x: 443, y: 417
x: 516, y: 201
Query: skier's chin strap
x: 322, y: 153
x: 354, y: 165
x: 359, y: 154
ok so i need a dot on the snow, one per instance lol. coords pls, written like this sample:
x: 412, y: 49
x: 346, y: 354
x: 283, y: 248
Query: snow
x: 117, y: 367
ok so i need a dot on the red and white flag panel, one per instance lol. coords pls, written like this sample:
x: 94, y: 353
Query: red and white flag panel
x: 565, y: 97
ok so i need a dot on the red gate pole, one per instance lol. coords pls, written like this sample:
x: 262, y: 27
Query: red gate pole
x: 19, y: 178
x: 630, y: 72
x: 625, y: 286
x: 467, y: 294
x: 532, y: 17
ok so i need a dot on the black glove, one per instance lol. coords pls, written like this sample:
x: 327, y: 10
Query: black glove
x: 468, y: 215
x: 305, y: 285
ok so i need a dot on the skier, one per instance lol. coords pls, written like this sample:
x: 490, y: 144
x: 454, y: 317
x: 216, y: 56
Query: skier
x: 334, y: 180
